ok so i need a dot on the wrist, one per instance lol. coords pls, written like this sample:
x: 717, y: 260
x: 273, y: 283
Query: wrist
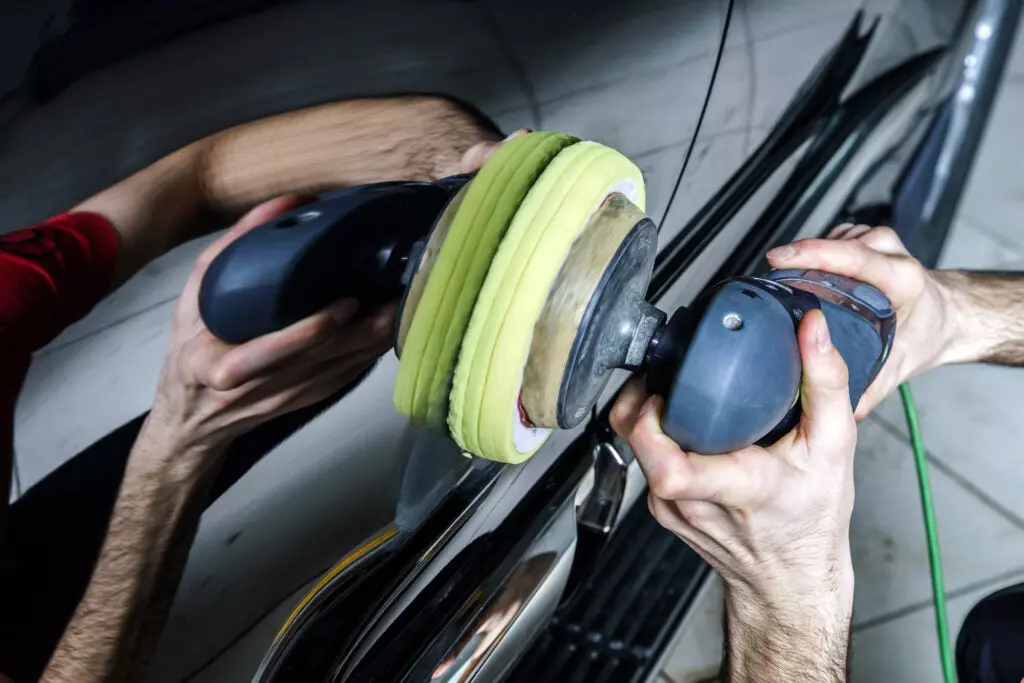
x: 171, y: 454
x: 966, y: 334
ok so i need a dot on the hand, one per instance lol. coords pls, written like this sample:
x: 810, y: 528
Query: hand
x: 210, y: 392
x: 477, y: 155
x: 774, y: 522
x: 924, y: 333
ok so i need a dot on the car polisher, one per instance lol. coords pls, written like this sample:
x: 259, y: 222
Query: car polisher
x: 523, y: 288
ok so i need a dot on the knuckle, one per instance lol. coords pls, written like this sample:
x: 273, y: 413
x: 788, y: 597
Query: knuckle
x: 665, y: 484
x: 222, y: 376
x: 886, y: 232
x: 692, y: 515
x: 318, y: 331
x: 618, y: 418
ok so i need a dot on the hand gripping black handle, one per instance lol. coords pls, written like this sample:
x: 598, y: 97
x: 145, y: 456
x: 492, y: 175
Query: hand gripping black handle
x: 353, y: 243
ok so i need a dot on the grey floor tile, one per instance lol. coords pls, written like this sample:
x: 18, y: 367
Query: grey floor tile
x: 741, y: 100
x: 698, y: 652
x: 971, y: 246
x: 970, y: 418
x: 671, y: 105
x: 661, y: 169
x: 995, y: 196
x: 159, y: 282
x: 756, y: 21
x: 887, y: 536
x: 906, y: 650
x: 558, y: 43
x: 1016, y: 63
x: 120, y: 120
x: 282, y: 523
x: 713, y: 160
x: 82, y: 391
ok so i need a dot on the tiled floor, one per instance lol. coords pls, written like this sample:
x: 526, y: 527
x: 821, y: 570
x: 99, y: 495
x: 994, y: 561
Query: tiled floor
x: 970, y: 418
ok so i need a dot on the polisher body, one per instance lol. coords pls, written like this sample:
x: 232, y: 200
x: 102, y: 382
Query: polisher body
x: 730, y: 367
x: 523, y: 289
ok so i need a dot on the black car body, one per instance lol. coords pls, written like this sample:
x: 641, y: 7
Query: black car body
x: 756, y: 122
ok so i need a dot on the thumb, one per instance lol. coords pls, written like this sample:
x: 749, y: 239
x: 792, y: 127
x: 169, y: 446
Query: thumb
x: 825, y: 393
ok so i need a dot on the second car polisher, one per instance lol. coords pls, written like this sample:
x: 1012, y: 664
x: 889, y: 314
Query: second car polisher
x: 523, y: 287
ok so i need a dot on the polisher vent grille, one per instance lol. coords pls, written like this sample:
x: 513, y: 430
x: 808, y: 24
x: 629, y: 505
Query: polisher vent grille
x: 626, y: 612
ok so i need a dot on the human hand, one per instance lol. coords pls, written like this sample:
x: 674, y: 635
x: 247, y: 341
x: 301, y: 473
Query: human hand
x: 210, y: 392
x: 920, y: 298
x: 774, y: 522
x: 477, y: 155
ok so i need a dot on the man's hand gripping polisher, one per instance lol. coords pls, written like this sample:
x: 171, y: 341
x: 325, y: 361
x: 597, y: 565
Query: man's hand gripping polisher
x: 523, y: 288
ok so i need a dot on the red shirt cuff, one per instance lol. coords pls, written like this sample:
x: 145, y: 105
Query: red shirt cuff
x: 52, y: 274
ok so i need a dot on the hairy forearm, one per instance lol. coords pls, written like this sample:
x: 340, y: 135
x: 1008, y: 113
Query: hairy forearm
x: 338, y: 144
x: 118, y: 622
x: 787, y: 643
x: 987, y: 316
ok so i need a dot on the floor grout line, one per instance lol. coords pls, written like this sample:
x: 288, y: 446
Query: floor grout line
x: 959, y: 479
x: 993, y: 234
x: 913, y: 608
x: 53, y: 348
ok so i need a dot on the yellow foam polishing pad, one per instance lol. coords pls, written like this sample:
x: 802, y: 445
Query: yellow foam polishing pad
x: 485, y: 415
x: 433, y: 339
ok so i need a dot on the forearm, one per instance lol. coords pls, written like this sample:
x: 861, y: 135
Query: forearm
x: 338, y: 144
x: 987, y: 320
x: 763, y: 647
x: 118, y: 622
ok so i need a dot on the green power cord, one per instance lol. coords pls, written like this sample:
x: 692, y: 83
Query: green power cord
x: 931, y: 531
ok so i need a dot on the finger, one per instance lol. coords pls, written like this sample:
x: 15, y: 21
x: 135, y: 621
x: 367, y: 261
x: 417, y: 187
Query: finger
x: 885, y: 240
x: 827, y: 421
x: 627, y: 406
x: 674, y: 474
x: 247, y: 361
x: 283, y: 393
x: 477, y: 155
x: 686, y: 520
x: 851, y: 258
x: 838, y: 231
x: 375, y: 333
x: 856, y: 231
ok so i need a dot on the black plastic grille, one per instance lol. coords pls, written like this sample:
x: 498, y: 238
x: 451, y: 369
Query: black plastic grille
x: 618, y: 624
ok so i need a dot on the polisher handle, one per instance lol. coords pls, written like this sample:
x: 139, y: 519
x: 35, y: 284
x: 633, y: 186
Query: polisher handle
x: 733, y: 375
x: 353, y: 243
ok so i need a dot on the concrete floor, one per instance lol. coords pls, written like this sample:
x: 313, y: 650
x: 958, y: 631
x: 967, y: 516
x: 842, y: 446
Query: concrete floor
x: 970, y: 416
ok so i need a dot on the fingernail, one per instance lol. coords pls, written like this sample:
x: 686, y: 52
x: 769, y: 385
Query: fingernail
x: 844, y: 226
x: 822, y: 336
x: 342, y: 311
x: 781, y: 253
x: 517, y: 133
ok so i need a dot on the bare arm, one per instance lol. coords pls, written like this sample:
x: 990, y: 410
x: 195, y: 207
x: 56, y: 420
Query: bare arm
x: 988, y: 318
x: 782, y: 644
x: 209, y: 393
x: 333, y: 145
x: 116, y: 625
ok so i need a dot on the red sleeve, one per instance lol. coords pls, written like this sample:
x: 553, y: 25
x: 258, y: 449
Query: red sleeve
x: 51, y: 275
